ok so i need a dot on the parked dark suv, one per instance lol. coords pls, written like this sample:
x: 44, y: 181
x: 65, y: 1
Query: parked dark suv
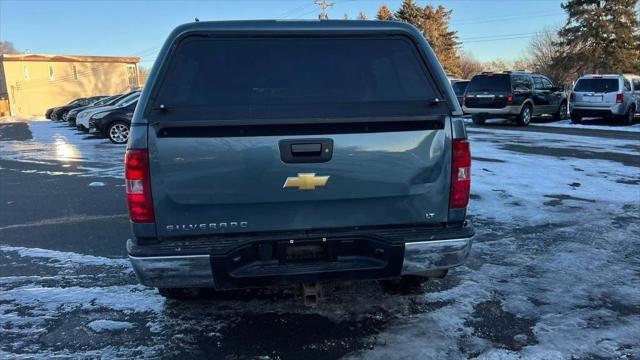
x: 517, y: 95
x: 248, y: 167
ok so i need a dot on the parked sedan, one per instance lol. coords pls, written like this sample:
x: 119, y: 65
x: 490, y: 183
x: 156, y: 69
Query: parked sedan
x: 72, y: 114
x: 114, y: 123
x: 57, y: 114
x: 82, y: 119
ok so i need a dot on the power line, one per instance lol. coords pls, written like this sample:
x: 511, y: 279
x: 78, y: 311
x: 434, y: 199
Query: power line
x: 489, y: 37
x: 485, y: 20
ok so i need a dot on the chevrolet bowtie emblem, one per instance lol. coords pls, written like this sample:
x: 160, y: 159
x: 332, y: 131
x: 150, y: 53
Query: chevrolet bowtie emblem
x: 307, y: 181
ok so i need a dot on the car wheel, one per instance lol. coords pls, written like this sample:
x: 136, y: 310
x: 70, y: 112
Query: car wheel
x: 562, y: 112
x: 478, y: 120
x: 118, y: 132
x: 628, y: 117
x: 576, y: 119
x: 525, y: 115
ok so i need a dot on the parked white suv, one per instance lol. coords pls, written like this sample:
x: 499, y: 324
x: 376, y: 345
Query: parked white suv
x: 610, y: 96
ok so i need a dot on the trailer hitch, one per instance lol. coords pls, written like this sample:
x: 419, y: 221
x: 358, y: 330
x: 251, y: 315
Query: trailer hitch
x: 311, y: 294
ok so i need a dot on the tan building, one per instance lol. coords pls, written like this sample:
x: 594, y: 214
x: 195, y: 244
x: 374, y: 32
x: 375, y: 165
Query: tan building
x: 32, y: 83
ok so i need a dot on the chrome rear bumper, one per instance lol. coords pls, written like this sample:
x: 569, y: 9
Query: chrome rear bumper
x: 173, y: 271
x: 435, y: 255
x: 196, y: 270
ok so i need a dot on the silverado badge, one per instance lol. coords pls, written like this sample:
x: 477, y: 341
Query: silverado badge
x: 307, y: 181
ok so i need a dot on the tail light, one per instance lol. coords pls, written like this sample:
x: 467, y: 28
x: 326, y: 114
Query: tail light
x: 460, y: 174
x: 572, y: 97
x: 509, y: 98
x: 464, y: 99
x: 138, y: 186
x: 620, y: 98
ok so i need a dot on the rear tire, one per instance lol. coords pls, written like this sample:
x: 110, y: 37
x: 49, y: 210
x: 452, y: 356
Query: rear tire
x: 185, y: 293
x: 562, y: 112
x: 576, y: 119
x: 118, y: 132
x: 478, y: 120
x: 628, y: 117
x: 525, y: 115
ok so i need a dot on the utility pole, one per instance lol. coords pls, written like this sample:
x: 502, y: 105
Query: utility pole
x: 324, y: 5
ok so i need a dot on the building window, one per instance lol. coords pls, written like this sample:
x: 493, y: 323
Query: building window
x: 52, y: 75
x: 25, y: 71
x: 132, y: 73
x: 74, y: 72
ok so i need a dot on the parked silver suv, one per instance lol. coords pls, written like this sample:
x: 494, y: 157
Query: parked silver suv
x: 610, y: 96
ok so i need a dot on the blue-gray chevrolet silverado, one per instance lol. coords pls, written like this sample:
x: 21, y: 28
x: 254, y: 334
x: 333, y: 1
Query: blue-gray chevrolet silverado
x: 290, y: 152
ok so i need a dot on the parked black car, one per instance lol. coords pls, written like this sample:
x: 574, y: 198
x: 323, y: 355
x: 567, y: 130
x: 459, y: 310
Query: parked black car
x: 115, y: 123
x: 109, y: 100
x: 459, y: 87
x: 49, y: 111
x: 57, y: 114
x: 515, y: 95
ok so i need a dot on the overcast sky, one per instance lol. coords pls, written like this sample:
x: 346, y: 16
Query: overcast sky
x: 498, y: 29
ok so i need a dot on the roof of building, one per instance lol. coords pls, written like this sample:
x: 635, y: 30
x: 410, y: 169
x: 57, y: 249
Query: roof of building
x: 68, y: 58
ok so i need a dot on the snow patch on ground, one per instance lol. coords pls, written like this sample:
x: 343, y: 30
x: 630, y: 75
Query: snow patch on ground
x: 62, y: 258
x: 109, y: 325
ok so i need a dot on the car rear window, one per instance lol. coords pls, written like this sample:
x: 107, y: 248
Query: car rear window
x: 596, y: 85
x: 270, y: 78
x: 459, y: 87
x: 490, y: 83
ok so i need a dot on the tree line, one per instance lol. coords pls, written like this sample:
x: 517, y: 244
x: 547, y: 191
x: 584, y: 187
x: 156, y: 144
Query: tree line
x: 599, y: 36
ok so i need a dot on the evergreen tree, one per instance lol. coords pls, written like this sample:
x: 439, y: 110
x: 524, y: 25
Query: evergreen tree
x: 434, y: 25
x: 384, y: 13
x: 444, y: 42
x: 362, y: 16
x: 601, y: 36
x: 410, y: 13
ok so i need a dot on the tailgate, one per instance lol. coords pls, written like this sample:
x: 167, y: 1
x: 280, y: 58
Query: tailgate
x: 209, y: 185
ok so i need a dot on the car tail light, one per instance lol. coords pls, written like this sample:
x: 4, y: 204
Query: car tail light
x: 509, y: 98
x: 464, y: 99
x: 620, y: 98
x: 138, y: 186
x: 460, y: 174
x: 572, y: 97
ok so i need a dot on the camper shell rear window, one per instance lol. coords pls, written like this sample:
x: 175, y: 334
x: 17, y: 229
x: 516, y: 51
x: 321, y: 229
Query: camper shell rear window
x: 270, y: 78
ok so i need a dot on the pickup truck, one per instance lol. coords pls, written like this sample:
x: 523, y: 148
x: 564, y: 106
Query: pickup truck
x: 268, y: 153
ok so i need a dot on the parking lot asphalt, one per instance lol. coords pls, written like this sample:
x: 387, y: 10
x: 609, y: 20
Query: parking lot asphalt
x: 554, y: 271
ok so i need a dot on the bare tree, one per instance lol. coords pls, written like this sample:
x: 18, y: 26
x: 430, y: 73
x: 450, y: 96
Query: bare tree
x: 6, y: 47
x: 545, y: 55
x: 362, y: 16
x: 469, y: 66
